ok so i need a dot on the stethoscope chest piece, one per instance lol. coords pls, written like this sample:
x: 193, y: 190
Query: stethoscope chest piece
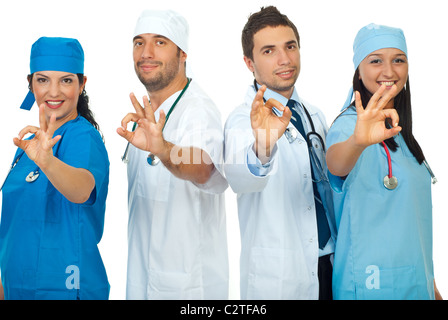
x: 152, y: 160
x: 390, y: 182
x: 32, y: 176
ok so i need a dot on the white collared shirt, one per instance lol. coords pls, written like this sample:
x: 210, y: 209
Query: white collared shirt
x: 279, y: 243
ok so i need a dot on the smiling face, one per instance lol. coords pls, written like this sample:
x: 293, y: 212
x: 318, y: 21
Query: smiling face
x: 157, y: 61
x: 386, y: 66
x: 276, y: 59
x: 58, y: 92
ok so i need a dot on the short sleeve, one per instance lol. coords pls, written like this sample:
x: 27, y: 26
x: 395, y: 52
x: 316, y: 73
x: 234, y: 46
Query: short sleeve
x: 81, y: 146
x: 200, y: 127
x: 342, y: 128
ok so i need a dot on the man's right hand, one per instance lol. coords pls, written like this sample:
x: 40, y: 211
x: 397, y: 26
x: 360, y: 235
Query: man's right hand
x: 267, y: 127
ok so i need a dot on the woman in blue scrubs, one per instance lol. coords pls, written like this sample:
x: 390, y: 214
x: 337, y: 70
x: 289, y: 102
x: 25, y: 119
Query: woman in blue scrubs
x: 54, y: 197
x: 384, y: 244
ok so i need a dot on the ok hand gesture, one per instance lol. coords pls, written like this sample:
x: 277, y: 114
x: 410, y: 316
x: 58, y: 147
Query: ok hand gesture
x: 267, y: 127
x: 370, y: 126
x: 148, y: 134
x: 39, y: 149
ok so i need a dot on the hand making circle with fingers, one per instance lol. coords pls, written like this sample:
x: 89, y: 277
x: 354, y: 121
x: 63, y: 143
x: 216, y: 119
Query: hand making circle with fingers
x: 40, y: 148
x: 371, y: 122
x: 148, y: 133
x: 266, y: 125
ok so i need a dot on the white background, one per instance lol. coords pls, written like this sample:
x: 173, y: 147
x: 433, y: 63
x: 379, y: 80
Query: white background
x: 327, y: 29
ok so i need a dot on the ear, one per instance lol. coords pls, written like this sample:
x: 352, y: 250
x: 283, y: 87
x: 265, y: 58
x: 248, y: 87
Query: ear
x: 249, y: 64
x: 82, y: 85
x: 183, y: 56
x: 30, y: 87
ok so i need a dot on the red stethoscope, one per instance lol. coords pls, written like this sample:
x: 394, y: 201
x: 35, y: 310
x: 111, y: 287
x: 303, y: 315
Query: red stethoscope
x: 390, y: 181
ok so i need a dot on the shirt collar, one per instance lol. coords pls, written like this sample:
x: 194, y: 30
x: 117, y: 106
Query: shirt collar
x: 272, y: 94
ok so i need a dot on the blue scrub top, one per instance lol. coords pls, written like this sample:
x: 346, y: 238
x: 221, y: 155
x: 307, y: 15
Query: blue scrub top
x: 384, y: 244
x: 48, y: 245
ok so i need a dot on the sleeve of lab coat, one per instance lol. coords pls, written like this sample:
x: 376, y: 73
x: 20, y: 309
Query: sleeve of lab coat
x: 243, y: 176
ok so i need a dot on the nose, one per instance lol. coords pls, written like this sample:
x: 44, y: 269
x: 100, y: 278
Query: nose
x: 53, y: 89
x: 147, y: 51
x: 283, y: 58
x: 388, y: 70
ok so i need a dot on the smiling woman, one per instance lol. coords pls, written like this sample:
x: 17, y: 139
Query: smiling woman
x: 53, y: 220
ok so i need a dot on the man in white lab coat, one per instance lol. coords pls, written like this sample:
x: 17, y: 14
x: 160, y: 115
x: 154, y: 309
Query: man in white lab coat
x: 281, y: 182
x: 177, y: 227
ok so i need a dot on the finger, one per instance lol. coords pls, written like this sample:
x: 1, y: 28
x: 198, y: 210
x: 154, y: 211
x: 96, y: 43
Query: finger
x: 286, y: 116
x: 20, y: 143
x: 358, y: 103
x: 393, y: 115
x: 258, y: 99
x: 128, y: 135
x: 42, y: 118
x: 129, y: 117
x: 389, y: 133
x: 53, y: 141
x: 52, y: 125
x: 138, y: 108
x: 271, y: 103
x: 26, y: 130
x: 149, y: 113
x: 162, y: 120
x: 373, y: 102
x: 389, y: 95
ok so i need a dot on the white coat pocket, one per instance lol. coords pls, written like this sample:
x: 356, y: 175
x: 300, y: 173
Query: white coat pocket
x: 277, y: 274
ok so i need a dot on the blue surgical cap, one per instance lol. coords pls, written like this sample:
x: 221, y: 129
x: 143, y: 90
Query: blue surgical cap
x: 54, y: 54
x: 374, y: 37
x: 371, y: 38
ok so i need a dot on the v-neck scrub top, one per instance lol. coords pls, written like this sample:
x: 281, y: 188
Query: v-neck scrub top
x: 177, y: 239
x: 384, y: 244
x: 48, y: 245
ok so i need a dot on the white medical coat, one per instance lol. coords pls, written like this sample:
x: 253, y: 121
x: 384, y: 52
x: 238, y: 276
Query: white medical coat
x: 279, y: 242
x: 177, y: 230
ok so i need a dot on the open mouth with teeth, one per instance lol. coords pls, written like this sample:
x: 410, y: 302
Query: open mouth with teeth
x: 387, y: 83
x: 54, y: 104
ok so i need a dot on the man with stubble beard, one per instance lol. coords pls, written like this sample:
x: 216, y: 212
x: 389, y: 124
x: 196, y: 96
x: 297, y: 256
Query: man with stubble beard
x: 177, y: 229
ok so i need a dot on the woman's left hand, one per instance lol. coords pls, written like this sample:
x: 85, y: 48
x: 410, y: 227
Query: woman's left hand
x: 40, y: 148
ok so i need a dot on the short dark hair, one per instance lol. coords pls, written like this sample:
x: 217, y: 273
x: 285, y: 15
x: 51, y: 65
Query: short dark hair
x: 266, y: 17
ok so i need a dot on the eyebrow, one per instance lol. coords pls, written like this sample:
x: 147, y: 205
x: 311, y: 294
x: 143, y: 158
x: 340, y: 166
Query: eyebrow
x: 47, y: 77
x: 380, y: 54
x: 157, y: 36
x: 270, y: 46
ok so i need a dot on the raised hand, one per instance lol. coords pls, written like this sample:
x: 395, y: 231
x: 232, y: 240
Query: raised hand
x: 148, y: 134
x: 40, y: 148
x: 371, y: 123
x: 267, y: 127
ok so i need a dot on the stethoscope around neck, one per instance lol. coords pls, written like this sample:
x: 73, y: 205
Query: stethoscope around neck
x: 291, y: 134
x: 30, y: 178
x: 390, y: 181
x: 34, y: 174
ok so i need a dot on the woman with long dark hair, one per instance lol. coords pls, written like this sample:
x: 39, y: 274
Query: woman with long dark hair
x: 382, y: 187
x: 55, y: 194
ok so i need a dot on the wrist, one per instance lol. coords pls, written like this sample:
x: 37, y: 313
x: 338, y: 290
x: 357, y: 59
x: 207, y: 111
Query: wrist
x: 262, y: 152
x: 164, y: 151
x: 47, y: 163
